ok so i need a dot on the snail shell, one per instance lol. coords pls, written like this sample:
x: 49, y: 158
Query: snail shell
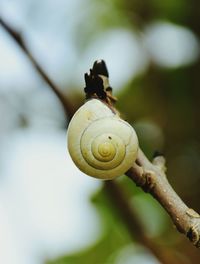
x: 100, y: 143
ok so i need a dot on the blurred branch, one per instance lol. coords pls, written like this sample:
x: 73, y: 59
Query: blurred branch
x: 136, y: 229
x: 68, y: 107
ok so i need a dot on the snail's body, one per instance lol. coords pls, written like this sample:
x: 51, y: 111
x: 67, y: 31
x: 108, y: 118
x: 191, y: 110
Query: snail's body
x: 100, y: 143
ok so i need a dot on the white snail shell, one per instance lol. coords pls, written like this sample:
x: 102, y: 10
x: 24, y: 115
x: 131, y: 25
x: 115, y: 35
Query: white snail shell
x: 100, y: 143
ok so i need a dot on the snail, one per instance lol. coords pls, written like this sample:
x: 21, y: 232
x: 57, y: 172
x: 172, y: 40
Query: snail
x: 100, y: 143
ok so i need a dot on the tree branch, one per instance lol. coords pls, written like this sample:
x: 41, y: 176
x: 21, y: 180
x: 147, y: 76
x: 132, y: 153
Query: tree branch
x: 68, y: 107
x: 151, y: 178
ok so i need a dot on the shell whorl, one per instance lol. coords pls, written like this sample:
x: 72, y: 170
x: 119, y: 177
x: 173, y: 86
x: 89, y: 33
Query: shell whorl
x: 100, y: 143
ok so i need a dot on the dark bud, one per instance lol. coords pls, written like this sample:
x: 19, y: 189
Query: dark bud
x: 89, y: 84
x: 94, y: 85
x: 99, y: 67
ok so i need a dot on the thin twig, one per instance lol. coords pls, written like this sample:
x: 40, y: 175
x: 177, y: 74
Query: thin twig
x: 68, y: 107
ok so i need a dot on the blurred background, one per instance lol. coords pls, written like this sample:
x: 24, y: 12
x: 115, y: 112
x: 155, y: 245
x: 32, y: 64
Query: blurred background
x: 49, y: 211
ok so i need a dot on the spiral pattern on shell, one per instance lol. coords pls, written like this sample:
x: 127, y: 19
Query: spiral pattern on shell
x: 100, y: 143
